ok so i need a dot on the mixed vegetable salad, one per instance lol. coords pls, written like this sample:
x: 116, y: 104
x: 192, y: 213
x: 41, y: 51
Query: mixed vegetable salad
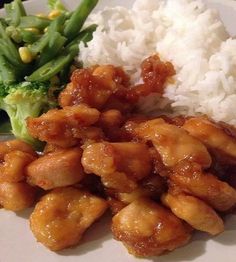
x: 36, y: 56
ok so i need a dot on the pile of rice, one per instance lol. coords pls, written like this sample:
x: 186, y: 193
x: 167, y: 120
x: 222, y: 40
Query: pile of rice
x: 184, y: 32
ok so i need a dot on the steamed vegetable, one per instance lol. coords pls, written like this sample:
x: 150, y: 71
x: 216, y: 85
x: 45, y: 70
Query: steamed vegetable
x: 29, y: 43
x: 57, y: 64
x: 22, y: 100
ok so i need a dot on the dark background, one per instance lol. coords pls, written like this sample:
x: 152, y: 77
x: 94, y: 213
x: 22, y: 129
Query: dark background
x: 4, y: 1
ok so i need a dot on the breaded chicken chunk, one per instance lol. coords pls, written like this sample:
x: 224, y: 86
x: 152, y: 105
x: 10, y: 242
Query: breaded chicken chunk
x: 12, y: 169
x: 148, y: 229
x: 93, y: 86
x: 61, y: 217
x: 16, y: 196
x: 57, y: 169
x: 120, y: 165
x: 189, y: 178
x: 214, y: 136
x: 195, y: 212
x: 173, y: 143
x: 62, y: 127
x: 13, y: 145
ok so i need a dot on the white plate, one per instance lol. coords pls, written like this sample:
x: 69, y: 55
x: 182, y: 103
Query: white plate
x: 17, y: 243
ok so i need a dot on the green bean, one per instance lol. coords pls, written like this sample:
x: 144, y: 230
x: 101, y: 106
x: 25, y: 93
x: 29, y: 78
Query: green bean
x: 29, y: 37
x: 6, y: 51
x: 56, y: 65
x: 12, y: 50
x: 38, y: 46
x: 34, y: 21
x: 9, y: 52
x: 14, y: 11
x: 43, y: 42
x: 3, y: 22
x: 57, y: 24
x: 85, y: 36
x: 76, y: 21
x: 14, y: 34
x: 7, y: 72
x: 55, y: 44
x: 50, y: 69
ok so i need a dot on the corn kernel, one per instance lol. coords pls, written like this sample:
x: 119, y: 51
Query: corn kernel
x: 32, y: 29
x: 25, y: 55
x: 41, y: 15
x: 45, y: 30
x: 54, y: 14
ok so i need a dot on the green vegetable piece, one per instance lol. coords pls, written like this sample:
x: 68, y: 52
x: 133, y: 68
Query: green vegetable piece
x: 34, y: 21
x: 3, y: 22
x: 38, y: 46
x: 7, y: 72
x: 50, y: 69
x: 10, y: 59
x: 58, y: 64
x: 43, y: 42
x: 55, y: 44
x: 14, y: 33
x: 56, y: 4
x: 76, y: 21
x: 15, y: 10
x: 29, y: 37
x: 24, y: 100
x: 85, y: 36
x: 9, y: 49
x: 57, y: 25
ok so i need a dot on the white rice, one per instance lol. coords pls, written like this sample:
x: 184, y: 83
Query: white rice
x: 184, y: 32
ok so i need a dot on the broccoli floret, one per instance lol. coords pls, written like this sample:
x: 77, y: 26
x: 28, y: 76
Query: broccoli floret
x: 24, y: 100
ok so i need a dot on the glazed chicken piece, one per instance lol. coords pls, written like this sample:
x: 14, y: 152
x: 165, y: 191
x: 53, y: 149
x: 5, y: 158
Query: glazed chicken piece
x: 15, y: 155
x: 108, y: 87
x: 214, y: 136
x: 189, y: 178
x: 63, y: 127
x: 153, y: 187
x: 120, y: 165
x: 172, y: 143
x: 93, y: 86
x: 57, y: 169
x: 13, y: 145
x: 12, y: 169
x: 158, y: 166
x: 61, y: 217
x: 128, y: 129
x: 195, y: 212
x: 16, y: 196
x: 148, y: 229
x: 111, y: 121
x: 177, y: 120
